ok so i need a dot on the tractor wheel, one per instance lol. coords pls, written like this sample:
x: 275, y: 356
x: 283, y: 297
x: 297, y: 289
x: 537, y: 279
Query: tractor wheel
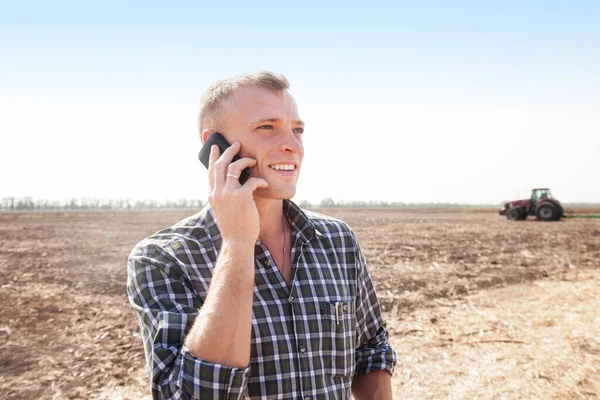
x: 546, y: 212
x: 523, y: 215
x: 514, y: 213
x: 558, y: 212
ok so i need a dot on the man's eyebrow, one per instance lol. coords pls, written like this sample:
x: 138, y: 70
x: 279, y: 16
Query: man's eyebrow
x: 257, y: 120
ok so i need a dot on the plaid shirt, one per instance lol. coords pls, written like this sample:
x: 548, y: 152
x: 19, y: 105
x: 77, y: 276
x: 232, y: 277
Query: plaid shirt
x: 308, y: 340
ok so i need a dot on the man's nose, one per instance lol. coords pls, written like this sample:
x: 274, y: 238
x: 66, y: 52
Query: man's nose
x: 289, y: 142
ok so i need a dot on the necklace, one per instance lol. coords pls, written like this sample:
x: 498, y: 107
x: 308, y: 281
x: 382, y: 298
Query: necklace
x: 283, y: 226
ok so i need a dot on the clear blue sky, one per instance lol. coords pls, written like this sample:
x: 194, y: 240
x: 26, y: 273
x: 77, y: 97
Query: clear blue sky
x: 466, y: 102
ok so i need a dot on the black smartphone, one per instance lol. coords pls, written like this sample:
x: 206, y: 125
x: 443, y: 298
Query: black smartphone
x: 221, y: 142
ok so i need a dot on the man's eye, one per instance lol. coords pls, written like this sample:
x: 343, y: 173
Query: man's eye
x: 265, y: 127
x: 299, y: 130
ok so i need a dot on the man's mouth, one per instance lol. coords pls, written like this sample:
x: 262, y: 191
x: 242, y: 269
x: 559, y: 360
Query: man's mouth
x: 283, y: 167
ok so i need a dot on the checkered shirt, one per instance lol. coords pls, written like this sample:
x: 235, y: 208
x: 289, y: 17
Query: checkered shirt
x: 308, y: 340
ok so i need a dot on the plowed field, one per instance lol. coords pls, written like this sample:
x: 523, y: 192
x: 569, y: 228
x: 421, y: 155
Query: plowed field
x: 477, y: 306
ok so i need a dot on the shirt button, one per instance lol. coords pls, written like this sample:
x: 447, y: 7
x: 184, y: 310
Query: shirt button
x: 291, y: 299
x: 306, y: 397
x: 302, y: 348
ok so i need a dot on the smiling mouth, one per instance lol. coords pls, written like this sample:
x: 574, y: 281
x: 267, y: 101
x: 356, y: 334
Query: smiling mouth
x: 283, y: 167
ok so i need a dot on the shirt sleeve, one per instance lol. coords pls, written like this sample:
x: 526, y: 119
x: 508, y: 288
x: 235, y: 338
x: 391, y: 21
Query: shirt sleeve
x: 167, y: 306
x: 373, y: 352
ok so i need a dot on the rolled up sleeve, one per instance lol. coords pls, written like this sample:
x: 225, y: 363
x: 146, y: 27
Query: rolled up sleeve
x: 167, y: 307
x: 204, y: 380
x: 373, y: 351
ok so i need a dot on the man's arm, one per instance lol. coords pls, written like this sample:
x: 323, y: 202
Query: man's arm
x: 212, y: 361
x: 167, y: 307
x: 375, y: 358
x: 222, y: 333
x: 376, y: 385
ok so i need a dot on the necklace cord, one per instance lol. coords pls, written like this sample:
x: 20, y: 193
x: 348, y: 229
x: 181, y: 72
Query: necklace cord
x: 283, y: 226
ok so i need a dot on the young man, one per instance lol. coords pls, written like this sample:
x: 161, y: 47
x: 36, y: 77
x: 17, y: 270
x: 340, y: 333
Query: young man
x: 254, y: 297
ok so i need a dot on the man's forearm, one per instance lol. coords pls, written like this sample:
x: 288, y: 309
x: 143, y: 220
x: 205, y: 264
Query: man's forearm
x: 222, y: 331
x: 376, y: 385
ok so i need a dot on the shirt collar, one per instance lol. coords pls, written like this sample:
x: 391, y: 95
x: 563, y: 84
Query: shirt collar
x: 300, y: 223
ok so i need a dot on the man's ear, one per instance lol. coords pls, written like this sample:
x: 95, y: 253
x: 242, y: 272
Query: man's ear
x: 205, y: 134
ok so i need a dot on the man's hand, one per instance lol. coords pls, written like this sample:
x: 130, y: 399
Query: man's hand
x: 232, y: 203
x: 376, y: 385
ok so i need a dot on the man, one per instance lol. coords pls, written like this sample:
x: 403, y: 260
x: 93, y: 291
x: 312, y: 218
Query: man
x: 254, y: 297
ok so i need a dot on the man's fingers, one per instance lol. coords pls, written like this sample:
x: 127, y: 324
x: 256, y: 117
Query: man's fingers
x: 254, y: 183
x: 221, y: 165
x: 212, y: 159
x: 236, y: 168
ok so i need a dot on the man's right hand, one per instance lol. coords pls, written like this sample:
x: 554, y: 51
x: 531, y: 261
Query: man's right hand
x: 232, y: 203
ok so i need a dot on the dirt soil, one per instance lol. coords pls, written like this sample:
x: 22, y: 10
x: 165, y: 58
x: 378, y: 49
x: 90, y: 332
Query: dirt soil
x: 477, y: 306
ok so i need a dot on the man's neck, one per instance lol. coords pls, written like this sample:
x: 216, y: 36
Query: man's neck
x: 270, y: 214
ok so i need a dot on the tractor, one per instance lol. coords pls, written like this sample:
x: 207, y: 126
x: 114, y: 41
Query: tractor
x: 541, y: 204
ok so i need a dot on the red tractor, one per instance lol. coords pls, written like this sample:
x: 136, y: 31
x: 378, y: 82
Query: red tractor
x: 541, y: 204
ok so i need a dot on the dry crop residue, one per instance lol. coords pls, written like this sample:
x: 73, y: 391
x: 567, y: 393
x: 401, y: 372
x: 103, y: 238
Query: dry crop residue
x: 477, y: 306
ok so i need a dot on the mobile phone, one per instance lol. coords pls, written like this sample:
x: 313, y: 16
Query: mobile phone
x: 221, y: 142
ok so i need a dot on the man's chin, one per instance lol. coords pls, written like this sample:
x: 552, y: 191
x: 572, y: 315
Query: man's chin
x: 275, y: 193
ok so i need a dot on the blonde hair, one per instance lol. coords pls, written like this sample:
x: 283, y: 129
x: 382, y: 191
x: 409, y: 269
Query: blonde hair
x: 211, y: 114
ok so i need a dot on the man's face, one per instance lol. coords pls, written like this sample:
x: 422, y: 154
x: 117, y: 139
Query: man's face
x: 269, y: 128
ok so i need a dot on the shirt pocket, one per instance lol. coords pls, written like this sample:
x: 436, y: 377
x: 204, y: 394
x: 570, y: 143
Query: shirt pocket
x: 339, y: 336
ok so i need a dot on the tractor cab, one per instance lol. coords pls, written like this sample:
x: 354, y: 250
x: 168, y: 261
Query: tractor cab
x: 538, y: 194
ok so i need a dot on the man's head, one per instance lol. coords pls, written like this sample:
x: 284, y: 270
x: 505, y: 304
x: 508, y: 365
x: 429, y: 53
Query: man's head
x: 258, y: 111
x: 216, y: 102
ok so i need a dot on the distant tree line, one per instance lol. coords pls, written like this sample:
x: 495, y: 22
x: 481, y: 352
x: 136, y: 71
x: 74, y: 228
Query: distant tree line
x: 30, y: 203
x: 330, y: 203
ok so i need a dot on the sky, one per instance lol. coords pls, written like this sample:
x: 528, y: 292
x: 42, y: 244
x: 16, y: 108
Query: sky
x: 433, y: 101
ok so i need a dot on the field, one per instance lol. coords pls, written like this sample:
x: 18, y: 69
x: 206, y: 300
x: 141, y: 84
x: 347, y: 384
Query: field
x: 477, y: 306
